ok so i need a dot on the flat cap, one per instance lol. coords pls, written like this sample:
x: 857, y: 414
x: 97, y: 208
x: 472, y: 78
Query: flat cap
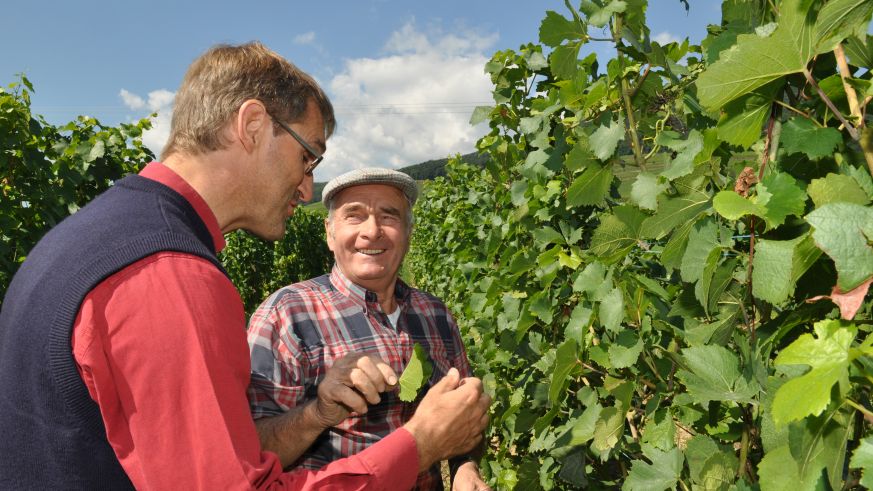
x: 371, y: 175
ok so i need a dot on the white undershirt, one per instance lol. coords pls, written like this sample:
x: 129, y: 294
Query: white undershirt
x: 393, y: 317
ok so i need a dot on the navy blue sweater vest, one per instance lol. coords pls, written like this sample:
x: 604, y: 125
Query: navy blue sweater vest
x: 51, y: 432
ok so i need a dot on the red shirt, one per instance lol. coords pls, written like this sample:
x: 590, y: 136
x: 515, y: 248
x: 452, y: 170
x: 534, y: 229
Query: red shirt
x: 161, y: 346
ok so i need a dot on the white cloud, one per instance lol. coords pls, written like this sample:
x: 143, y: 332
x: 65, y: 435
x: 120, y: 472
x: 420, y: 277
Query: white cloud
x: 305, y: 38
x: 411, y: 105
x: 131, y: 100
x: 664, y: 38
x: 160, y: 102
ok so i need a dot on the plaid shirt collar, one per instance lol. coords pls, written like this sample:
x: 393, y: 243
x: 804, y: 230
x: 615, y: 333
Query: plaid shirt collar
x: 366, y: 298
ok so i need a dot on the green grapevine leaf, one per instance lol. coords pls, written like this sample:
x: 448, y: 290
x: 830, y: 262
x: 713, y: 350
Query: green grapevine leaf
x: 778, y: 266
x: 702, y: 242
x: 662, y: 473
x: 843, y: 231
x: 645, y: 191
x: 863, y: 459
x: 556, y: 28
x: 800, y: 135
x: 781, y: 196
x: 591, y: 187
x: 625, y: 350
x: 608, y: 428
x: 836, y: 188
x: 713, y: 375
x: 779, y: 463
x: 687, y: 149
x: 840, y: 19
x: 598, y: 15
x: 732, y: 206
x: 416, y: 373
x: 605, y: 138
x: 758, y: 60
x: 564, y: 60
x: 828, y: 355
x: 742, y: 119
x: 617, y: 233
x: 612, y: 310
x: 565, y: 363
x: 673, y: 212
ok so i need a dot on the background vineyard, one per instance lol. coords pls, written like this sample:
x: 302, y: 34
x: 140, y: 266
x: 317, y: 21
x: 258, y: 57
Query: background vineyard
x: 692, y: 311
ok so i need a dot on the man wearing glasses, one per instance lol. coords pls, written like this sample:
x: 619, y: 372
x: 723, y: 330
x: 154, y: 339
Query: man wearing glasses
x: 123, y: 354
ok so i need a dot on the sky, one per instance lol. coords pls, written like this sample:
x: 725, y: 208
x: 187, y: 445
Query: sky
x: 404, y: 76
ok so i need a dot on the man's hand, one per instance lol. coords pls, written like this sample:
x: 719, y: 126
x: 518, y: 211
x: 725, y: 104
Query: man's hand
x: 450, y: 419
x: 353, y: 382
x: 467, y: 478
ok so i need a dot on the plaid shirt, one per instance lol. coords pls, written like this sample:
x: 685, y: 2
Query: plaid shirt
x: 300, y: 330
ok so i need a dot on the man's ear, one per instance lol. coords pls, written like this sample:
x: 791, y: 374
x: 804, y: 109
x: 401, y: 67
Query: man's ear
x: 328, y: 234
x: 251, y: 121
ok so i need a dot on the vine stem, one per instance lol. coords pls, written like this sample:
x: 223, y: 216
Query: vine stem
x: 625, y: 97
x: 854, y: 106
x: 744, y: 453
x: 853, y: 132
x: 868, y: 415
x: 764, y: 159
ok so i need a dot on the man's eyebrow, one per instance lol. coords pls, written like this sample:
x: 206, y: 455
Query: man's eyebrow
x: 391, y: 210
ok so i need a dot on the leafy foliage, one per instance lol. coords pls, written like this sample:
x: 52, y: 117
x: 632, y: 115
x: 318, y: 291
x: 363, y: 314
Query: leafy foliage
x: 48, y: 172
x: 258, y: 268
x: 640, y: 267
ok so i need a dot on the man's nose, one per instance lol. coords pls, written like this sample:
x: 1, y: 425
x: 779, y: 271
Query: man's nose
x: 370, y: 229
x: 305, y: 188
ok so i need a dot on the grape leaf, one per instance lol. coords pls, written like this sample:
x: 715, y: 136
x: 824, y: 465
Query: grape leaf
x: 800, y: 135
x: 702, y: 241
x: 742, y: 119
x: 863, y: 459
x: 673, y: 212
x: 416, y: 373
x: 626, y: 349
x: 645, y: 191
x: 605, y: 138
x: 617, y: 233
x: 758, y: 60
x: 662, y: 473
x: 687, y: 149
x: 556, y: 28
x: 828, y: 355
x: 778, y: 266
x: 590, y: 187
x: 843, y: 231
x: 713, y: 375
x: 834, y: 188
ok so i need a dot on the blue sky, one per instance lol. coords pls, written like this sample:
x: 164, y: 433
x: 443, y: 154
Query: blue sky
x: 404, y: 76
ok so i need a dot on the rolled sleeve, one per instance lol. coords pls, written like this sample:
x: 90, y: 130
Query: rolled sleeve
x: 277, y: 379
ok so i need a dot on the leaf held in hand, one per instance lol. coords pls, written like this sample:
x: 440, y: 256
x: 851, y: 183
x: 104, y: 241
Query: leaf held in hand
x: 416, y: 373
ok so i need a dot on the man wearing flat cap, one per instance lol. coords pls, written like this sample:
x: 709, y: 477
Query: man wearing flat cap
x: 362, y: 322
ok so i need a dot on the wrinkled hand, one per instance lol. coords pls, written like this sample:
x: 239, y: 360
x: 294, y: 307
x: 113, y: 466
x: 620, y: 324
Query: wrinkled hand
x: 450, y: 420
x: 467, y: 478
x: 353, y: 382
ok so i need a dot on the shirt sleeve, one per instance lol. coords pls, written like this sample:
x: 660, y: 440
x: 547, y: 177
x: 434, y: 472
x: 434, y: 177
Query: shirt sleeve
x: 161, y: 347
x: 278, y: 363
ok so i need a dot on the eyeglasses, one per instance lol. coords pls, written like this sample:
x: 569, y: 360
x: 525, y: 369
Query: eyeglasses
x: 316, y: 157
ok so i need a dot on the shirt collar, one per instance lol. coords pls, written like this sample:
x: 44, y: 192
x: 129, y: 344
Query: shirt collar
x: 159, y: 172
x: 363, y: 297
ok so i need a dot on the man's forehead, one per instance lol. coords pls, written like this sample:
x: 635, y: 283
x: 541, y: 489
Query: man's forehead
x: 371, y: 194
